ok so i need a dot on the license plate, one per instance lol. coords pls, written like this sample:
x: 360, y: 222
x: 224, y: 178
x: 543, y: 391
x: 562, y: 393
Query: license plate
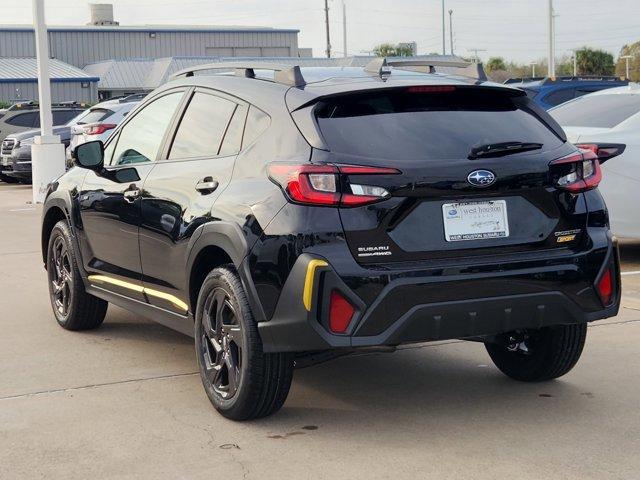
x: 5, y: 161
x: 475, y: 220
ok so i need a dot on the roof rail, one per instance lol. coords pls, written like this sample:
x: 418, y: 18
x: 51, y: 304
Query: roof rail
x: 585, y: 78
x: 284, y: 74
x: 378, y: 66
x: 522, y: 79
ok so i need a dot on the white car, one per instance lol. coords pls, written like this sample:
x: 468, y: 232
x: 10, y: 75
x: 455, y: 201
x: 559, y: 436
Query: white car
x: 98, y: 122
x: 608, y: 122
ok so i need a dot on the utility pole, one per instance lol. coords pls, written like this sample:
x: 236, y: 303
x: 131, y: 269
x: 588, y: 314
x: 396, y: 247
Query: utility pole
x: 575, y: 63
x: 326, y: 21
x: 627, y: 58
x: 444, y: 50
x: 552, y: 47
x: 47, y: 153
x: 533, y: 69
x: 451, y: 30
x: 344, y: 28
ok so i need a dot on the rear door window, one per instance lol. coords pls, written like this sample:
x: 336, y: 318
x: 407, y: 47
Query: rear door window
x: 60, y: 117
x: 257, y: 122
x: 23, y: 119
x: 599, y: 111
x: 559, y: 96
x: 410, y: 124
x: 202, y: 127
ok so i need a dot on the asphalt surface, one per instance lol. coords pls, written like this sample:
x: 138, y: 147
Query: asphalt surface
x: 124, y: 401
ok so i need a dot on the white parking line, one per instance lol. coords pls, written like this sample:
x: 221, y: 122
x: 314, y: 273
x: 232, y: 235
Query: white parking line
x: 635, y: 272
x: 22, y: 209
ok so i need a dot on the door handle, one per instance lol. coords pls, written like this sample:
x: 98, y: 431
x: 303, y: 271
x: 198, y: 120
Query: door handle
x: 131, y: 193
x: 206, y: 185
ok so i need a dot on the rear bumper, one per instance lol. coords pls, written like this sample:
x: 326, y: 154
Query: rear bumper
x: 428, y: 304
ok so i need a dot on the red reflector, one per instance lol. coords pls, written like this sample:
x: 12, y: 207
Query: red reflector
x: 364, y: 170
x: 605, y: 287
x: 431, y: 89
x: 340, y: 313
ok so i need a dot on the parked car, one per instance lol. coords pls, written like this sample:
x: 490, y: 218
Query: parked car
x: 280, y: 221
x: 103, y: 119
x: 548, y: 92
x: 15, y: 155
x: 608, y: 122
x: 26, y: 116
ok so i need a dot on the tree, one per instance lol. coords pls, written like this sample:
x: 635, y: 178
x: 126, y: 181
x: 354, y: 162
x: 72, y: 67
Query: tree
x: 390, y: 50
x: 594, y: 62
x: 634, y: 62
x: 496, y: 63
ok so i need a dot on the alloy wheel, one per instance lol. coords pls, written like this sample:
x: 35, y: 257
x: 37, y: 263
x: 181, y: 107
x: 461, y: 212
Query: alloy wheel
x: 222, y: 343
x: 61, y: 276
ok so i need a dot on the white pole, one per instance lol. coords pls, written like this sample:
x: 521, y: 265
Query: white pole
x: 627, y: 58
x: 47, y: 153
x: 451, y: 31
x: 552, y: 64
x: 575, y: 63
x: 444, y: 48
x: 344, y: 28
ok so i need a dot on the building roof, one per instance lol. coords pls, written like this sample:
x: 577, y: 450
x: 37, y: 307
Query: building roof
x: 26, y: 70
x: 152, y: 28
x: 147, y: 74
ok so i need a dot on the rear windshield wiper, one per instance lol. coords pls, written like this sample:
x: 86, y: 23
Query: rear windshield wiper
x: 500, y: 149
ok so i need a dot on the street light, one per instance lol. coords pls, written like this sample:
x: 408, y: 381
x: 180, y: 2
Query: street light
x: 533, y: 69
x: 627, y: 58
x: 47, y: 153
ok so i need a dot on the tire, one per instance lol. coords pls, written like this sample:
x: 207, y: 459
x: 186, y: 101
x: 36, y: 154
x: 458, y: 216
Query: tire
x: 241, y: 381
x: 73, y: 307
x: 539, y: 355
x: 7, y: 178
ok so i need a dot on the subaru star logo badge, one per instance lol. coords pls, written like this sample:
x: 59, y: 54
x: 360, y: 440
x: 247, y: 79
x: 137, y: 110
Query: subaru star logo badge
x: 481, y: 178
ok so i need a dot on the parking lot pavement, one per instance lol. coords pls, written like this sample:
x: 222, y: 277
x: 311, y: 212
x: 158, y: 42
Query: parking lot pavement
x: 124, y: 401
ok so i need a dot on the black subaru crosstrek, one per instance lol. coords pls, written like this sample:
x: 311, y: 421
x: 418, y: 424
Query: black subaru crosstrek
x: 281, y: 215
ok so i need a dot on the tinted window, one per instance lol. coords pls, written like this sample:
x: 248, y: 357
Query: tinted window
x: 23, y: 119
x: 232, y: 142
x: 202, y: 127
x: 95, y: 115
x: 257, y: 122
x: 559, y: 96
x: 401, y: 125
x: 602, y: 111
x: 60, y: 117
x: 140, y: 139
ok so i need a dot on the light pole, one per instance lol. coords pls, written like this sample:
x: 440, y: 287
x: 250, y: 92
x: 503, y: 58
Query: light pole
x: 552, y: 41
x: 533, y: 69
x: 344, y: 28
x: 444, y: 50
x: 626, y: 59
x: 451, y: 30
x: 47, y: 153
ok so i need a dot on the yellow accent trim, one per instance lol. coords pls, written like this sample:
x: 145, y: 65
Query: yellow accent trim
x: 307, y: 293
x: 139, y: 288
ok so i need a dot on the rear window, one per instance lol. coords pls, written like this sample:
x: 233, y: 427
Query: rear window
x: 403, y: 125
x: 94, y: 115
x: 600, y: 111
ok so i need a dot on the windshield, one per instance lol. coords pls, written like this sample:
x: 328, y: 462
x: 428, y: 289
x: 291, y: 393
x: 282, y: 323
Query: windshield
x: 412, y: 124
x: 599, y: 111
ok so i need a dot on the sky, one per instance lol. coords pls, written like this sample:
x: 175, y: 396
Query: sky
x: 513, y: 29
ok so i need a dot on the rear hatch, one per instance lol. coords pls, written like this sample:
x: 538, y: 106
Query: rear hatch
x: 474, y: 172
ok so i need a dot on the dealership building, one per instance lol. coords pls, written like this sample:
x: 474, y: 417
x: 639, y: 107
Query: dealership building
x: 105, y: 40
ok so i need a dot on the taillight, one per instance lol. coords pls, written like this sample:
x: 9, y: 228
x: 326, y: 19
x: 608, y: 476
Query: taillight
x: 340, y: 313
x: 98, y: 129
x: 577, y: 172
x: 605, y: 287
x: 604, y: 151
x: 323, y: 185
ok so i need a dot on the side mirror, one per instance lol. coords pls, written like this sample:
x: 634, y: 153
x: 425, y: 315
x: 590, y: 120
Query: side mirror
x: 90, y: 155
